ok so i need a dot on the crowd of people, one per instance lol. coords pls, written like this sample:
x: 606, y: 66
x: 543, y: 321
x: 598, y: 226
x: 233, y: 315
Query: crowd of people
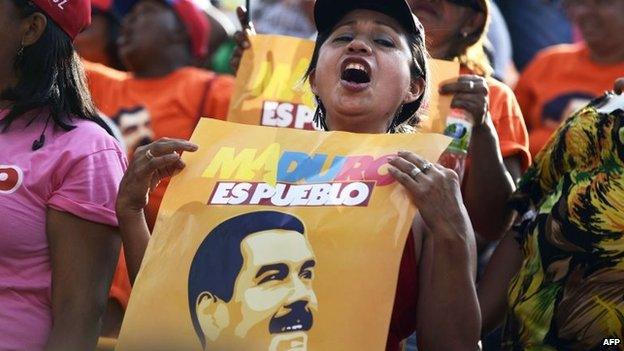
x: 86, y: 86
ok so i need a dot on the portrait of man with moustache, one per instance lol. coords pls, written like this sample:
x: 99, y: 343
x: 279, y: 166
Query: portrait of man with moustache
x: 250, y: 284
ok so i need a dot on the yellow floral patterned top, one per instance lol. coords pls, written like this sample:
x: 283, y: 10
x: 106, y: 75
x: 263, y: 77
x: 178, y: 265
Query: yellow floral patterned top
x: 569, y: 293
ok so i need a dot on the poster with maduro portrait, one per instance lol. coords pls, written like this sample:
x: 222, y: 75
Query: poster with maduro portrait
x: 270, y: 89
x: 276, y: 239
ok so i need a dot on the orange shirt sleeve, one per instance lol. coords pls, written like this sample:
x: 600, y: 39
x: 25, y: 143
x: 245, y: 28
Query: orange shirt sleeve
x: 509, y: 123
x: 217, y: 99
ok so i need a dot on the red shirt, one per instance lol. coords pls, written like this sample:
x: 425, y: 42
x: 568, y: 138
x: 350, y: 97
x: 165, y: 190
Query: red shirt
x: 513, y: 141
x: 403, y: 322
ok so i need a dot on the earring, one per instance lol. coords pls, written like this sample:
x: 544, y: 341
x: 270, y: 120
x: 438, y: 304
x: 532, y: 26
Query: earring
x: 464, y: 34
x: 395, y: 121
x: 20, y: 51
x: 319, y: 115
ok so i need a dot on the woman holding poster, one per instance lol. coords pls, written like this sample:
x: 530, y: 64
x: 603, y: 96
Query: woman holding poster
x: 370, y: 75
x: 456, y: 31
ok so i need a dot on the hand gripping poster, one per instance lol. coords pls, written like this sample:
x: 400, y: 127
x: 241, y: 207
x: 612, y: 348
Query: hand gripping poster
x: 270, y: 89
x: 276, y: 239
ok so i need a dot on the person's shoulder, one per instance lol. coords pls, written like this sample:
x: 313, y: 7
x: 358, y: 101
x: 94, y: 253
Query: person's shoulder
x: 89, y: 137
x: 200, y: 75
x: 559, y: 52
x: 97, y: 71
x: 497, y: 85
x: 224, y: 82
x: 201, y: 80
x: 499, y: 90
x: 503, y: 101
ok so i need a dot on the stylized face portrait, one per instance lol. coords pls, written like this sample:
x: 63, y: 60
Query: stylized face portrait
x: 269, y: 265
x: 135, y: 126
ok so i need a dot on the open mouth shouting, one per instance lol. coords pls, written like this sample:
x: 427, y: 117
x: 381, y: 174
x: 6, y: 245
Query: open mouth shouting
x: 355, y: 74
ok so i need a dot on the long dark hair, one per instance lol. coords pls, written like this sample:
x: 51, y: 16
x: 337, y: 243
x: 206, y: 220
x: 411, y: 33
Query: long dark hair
x: 50, y: 76
x: 406, y: 116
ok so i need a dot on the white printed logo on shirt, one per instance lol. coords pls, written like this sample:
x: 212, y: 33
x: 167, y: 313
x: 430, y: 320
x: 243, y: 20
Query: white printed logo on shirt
x: 60, y: 3
x: 11, y: 178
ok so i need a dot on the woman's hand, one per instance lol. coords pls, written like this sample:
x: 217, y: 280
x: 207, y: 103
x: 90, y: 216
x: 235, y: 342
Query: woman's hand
x: 471, y: 94
x: 435, y: 191
x: 448, y: 314
x: 242, y: 37
x: 151, y: 164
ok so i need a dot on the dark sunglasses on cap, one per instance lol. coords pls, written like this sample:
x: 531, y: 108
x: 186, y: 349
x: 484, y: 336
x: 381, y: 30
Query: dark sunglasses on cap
x: 473, y: 4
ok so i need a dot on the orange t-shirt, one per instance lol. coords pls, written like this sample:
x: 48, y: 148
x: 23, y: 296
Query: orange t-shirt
x: 148, y: 109
x: 559, y: 81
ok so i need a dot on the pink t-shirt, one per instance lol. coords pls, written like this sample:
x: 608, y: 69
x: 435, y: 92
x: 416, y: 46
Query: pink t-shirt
x: 77, y: 172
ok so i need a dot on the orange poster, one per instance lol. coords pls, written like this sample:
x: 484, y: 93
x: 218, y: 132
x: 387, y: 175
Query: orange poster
x: 276, y: 239
x: 437, y: 108
x: 270, y: 90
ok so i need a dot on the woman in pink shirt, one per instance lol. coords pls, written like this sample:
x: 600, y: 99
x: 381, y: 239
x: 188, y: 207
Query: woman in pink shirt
x: 59, y: 176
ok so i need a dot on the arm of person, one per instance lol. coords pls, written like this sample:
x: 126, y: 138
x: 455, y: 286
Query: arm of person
x: 150, y: 165
x: 448, y: 310
x: 83, y: 256
x: 494, y: 284
x: 135, y: 236
x: 488, y: 184
x: 242, y: 37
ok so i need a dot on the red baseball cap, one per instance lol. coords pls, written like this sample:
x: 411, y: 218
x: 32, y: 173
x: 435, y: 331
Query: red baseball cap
x: 196, y: 23
x: 72, y: 16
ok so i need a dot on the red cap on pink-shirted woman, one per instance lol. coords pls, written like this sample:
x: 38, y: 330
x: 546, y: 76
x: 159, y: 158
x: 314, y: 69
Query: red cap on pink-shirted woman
x: 72, y: 16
